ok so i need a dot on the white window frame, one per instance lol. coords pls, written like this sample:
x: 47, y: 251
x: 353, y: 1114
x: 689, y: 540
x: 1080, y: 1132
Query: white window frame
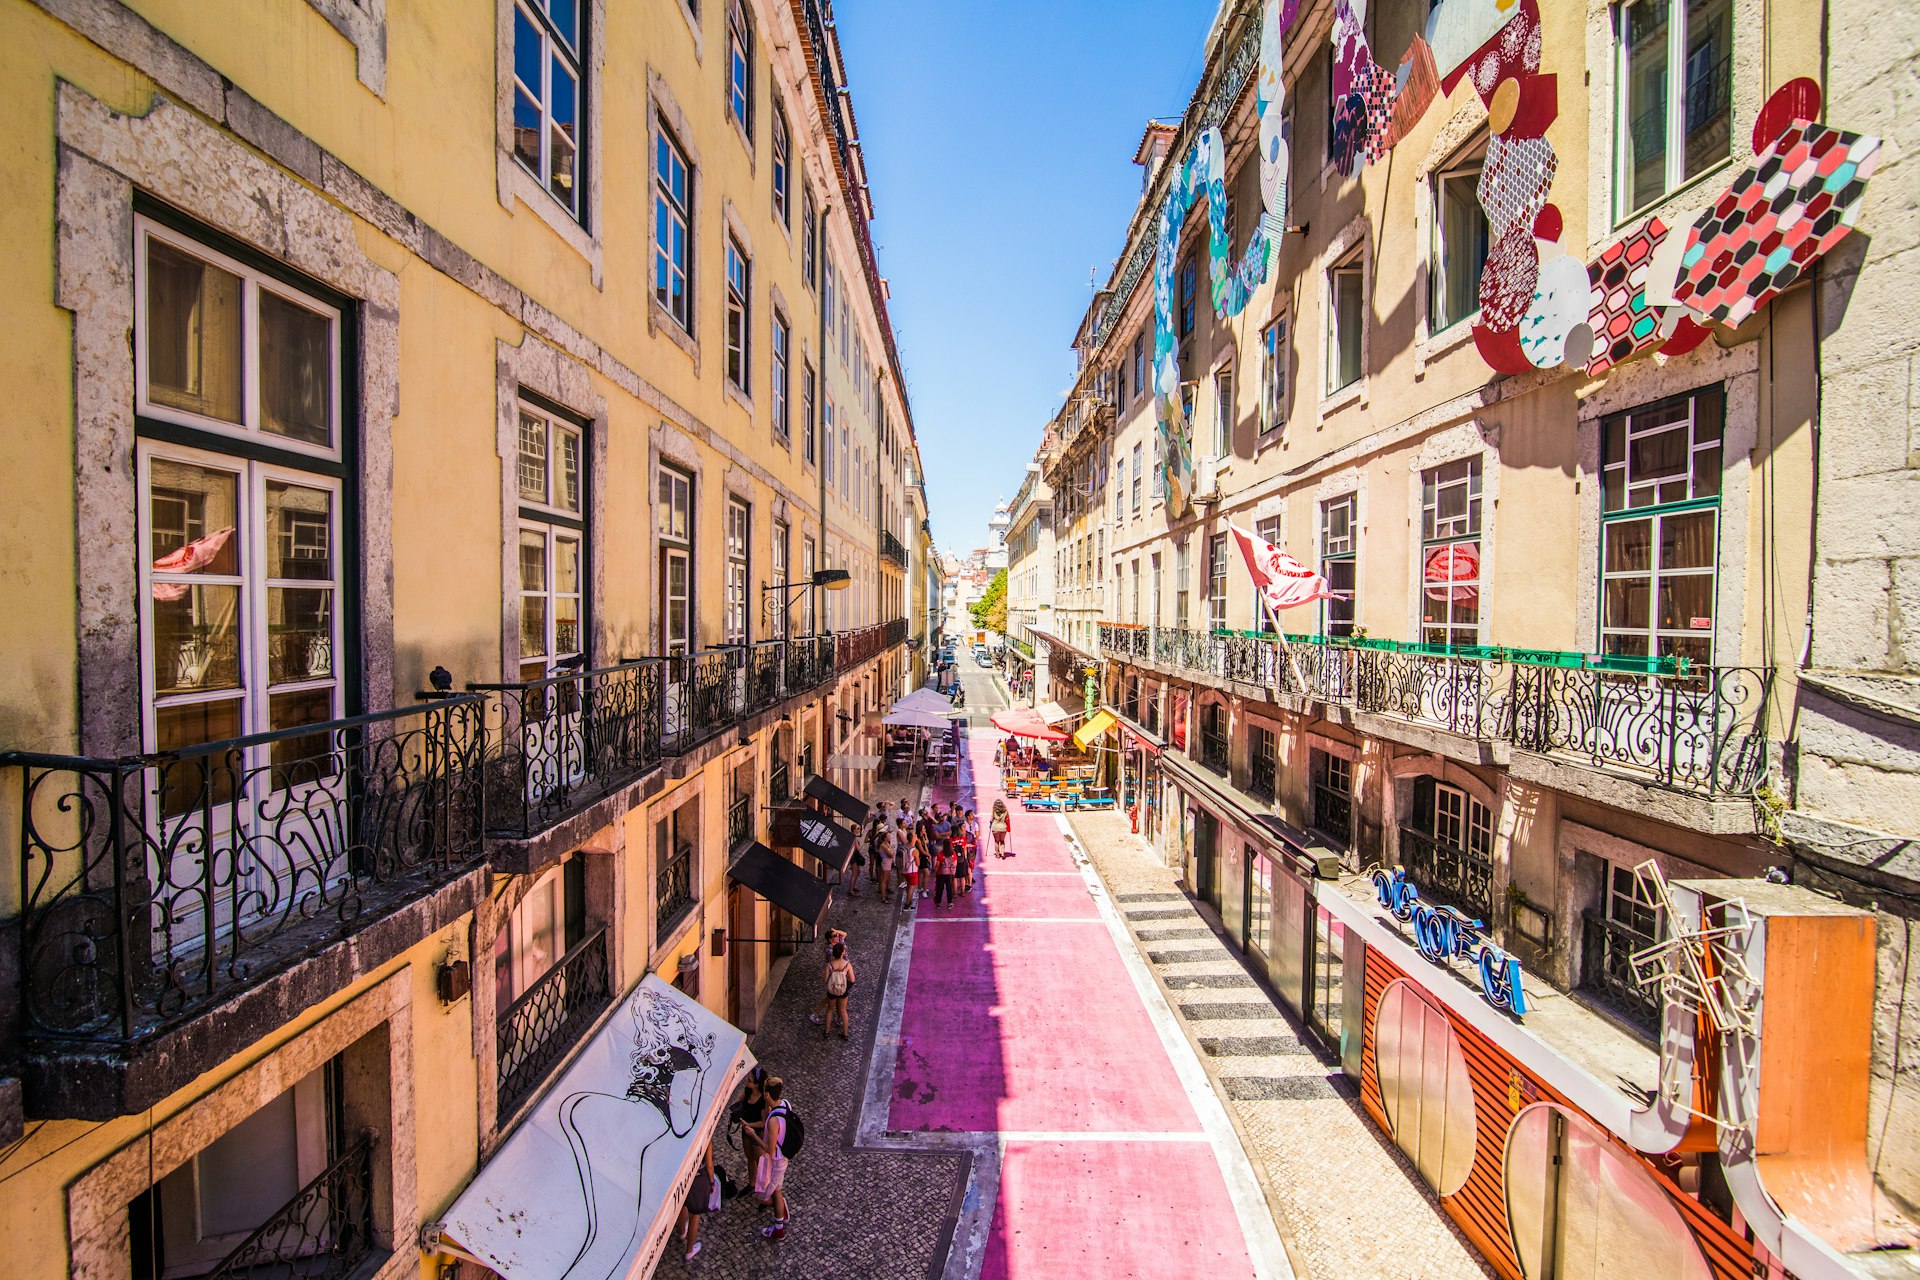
x: 1354, y: 264
x: 1273, y: 374
x: 782, y: 168
x: 740, y: 68
x: 1223, y: 415
x: 1340, y: 550
x: 1437, y: 532
x: 780, y: 373
x: 253, y: 281
x: 676, y: 546
x: 553, y: 44
x: 675, y: 209
x: 1465, y: 167
x: 739, y: 547
x: 739, y: 312
x: 1676, y: 178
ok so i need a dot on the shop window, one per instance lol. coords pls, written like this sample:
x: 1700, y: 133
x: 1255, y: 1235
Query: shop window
x: 1326, y: 1006
x: 1660, y: 515
x: 1450, y: 553
x: 1340, y: 562
x: 1580, y: 1207
x: 1667, y: 138
x: 1425, y: 1088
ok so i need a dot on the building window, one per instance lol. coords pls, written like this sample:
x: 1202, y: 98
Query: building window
x: 549, y: 471
x: 826, y: 412
x: 1182, y: 581
x: 547, y: 57
x: 809, y: 560
x: 672, y: 229
x: 1273, y: 376
x: 809, y: 238
x: 1136, y: 591
x: 1139, y: 365
x: 1460, y: 241
x: 781, y: 549
x: 1667, y: 139
x: 1213, y: 736
x: 673, y: 514
x: 1217, y: 582
x: 740, y: 67
x: 809, y: 392
x: 739, y: 316
x: 1189, y: 281
x: 1346, y: 324
x: 1139, y: 455
x: 1263, y: 762
x: 1339, y: 561
x: 240, y: 575
x: 781, y: 338
x: 1660, y: 514
x: 1448, y: 847
x: 739, y: 529
x: 1333, y: 796
x: 544, y: 925
x: 1223, y: 413
x: 782, y: 170
x: 1450, y: 553
x: 675, y: 837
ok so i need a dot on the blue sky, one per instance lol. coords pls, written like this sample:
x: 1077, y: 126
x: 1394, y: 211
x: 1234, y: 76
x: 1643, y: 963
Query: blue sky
x: 999, y: 140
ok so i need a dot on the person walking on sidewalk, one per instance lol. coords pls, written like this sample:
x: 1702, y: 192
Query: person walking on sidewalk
x: 944, y: 863
x: 1002, y: 824
x: 770, y: 1173
x: 703, y: 1197
x: 885, y: 847
x: 910, y: 863
x: 836, y: 941
x: 839, y: 980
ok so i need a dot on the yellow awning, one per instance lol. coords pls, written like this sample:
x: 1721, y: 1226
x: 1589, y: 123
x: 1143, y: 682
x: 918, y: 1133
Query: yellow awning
x: 1102, y: 722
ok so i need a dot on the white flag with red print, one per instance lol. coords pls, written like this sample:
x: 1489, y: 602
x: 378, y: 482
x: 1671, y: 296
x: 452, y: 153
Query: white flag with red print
x: 1284, y: 582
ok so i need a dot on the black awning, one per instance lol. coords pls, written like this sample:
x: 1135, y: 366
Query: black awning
x: 799, y: 893
x: 812, y: 832
x: 852, y: 808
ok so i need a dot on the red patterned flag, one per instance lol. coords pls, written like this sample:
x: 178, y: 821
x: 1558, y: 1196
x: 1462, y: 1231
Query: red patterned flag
x: 1284, y: 582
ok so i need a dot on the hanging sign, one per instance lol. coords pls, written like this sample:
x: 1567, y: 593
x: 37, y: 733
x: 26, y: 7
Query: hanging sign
x: 1442, y: 935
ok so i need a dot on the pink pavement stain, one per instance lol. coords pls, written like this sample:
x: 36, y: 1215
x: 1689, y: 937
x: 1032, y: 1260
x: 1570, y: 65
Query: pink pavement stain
x: 1115, y: 1210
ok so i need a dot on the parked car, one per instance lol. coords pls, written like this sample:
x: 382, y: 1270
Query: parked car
x: 982, y: 657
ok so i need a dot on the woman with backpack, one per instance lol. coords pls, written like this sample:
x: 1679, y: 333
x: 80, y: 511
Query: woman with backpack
x: 1002, y: 825
x: 839, y: 979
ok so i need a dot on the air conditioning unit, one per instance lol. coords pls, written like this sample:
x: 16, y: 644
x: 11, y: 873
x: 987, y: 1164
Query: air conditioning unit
x: 1206, y: 480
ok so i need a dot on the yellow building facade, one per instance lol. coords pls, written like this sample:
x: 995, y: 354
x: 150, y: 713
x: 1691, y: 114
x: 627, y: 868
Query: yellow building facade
x: 441, y: 609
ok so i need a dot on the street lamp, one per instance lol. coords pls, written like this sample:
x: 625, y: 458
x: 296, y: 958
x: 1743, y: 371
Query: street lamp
x: 776, y: 596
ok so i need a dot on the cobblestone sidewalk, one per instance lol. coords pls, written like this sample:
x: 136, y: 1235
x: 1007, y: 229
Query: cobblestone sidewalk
x: 1350, y: 1205
x: 884, y: 1214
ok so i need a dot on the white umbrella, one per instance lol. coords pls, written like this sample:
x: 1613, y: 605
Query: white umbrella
x: 923, y: 700
x: 912, y: 719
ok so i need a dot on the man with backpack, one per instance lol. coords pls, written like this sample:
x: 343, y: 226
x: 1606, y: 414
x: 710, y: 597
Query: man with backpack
x: 781, y: 1137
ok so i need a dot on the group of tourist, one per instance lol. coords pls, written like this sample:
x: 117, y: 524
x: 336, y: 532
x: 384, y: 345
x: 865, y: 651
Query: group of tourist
x: 929, y: 852
x: 770, y: 1134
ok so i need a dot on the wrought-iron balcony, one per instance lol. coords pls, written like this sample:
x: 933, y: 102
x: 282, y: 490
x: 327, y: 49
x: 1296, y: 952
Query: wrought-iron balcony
x: 1333, y: 814
x: 538, y: 1028
x: 559, y: 744
x: 1451, y: 876
x: 156, y: 888
x: 1693, y: 728
x: 892, y: 549
x: 324, y: 1233
x: 1607, y: 974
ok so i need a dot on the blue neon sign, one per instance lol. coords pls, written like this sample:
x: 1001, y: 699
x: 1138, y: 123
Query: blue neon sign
x: 1443, y: 935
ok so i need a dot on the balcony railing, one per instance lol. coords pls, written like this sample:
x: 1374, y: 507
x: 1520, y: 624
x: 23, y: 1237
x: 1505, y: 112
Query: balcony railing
x: 1451, y: 876
x: 323, y: 1233
x: 153, y: 887
x: 1333, y: 814
x: 1692, y: 728
x: 1606, y: 971
x: 672, y: 891
x: 892, y: 549
x: 568, y: 740
x: 548, y: 1019
x: 1213, y: 747
x: 739, y: 821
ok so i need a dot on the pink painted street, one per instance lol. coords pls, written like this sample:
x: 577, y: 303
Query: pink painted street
x: 1023, y: 1025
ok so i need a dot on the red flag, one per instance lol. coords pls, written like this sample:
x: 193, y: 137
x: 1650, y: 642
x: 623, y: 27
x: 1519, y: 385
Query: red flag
x: 1284, y: 582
